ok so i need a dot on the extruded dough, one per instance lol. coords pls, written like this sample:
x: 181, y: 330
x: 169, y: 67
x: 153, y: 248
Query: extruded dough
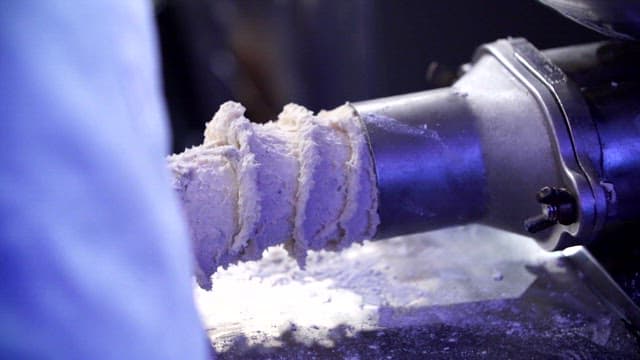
x: 305, y: 181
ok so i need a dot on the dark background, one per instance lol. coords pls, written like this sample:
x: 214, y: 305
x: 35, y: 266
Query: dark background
x: 321, y: 53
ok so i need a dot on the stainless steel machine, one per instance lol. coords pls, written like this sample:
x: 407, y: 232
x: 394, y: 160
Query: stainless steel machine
x: 544, y: 144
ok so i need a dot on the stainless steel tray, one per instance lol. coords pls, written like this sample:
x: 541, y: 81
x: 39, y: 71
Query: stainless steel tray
x: 467, y: 292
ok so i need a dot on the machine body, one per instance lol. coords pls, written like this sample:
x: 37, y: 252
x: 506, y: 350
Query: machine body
x: 544, y: 143
x: 614, y: 18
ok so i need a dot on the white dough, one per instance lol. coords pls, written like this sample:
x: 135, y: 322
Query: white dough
x: 305, y: 181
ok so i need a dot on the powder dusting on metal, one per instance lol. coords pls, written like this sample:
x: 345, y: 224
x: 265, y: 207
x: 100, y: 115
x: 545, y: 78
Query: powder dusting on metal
x: 304, y: 180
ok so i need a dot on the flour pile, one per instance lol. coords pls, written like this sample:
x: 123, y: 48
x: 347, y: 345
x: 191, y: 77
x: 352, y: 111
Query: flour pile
x: 306, y: 181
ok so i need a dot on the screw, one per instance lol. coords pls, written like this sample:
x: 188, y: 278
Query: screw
x: 558, y: 207
x: 546, y: 195
x: 538, y: 223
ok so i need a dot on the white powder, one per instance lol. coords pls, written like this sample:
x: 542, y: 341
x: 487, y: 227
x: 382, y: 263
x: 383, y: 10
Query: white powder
x: 305, y: 181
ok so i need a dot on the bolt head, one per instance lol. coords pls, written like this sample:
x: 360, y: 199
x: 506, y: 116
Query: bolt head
x: 546, y: 195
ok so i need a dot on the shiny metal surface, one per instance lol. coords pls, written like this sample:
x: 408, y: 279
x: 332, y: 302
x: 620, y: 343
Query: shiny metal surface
x: 484, y: 148
x: 470, y: 292
x: 519, y: 120
x: 618, y: 109
x: 608, y: 75
x: 575, y: 140
x: 615, y: 18
x: 601, y: 283
x: 428, y: 160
